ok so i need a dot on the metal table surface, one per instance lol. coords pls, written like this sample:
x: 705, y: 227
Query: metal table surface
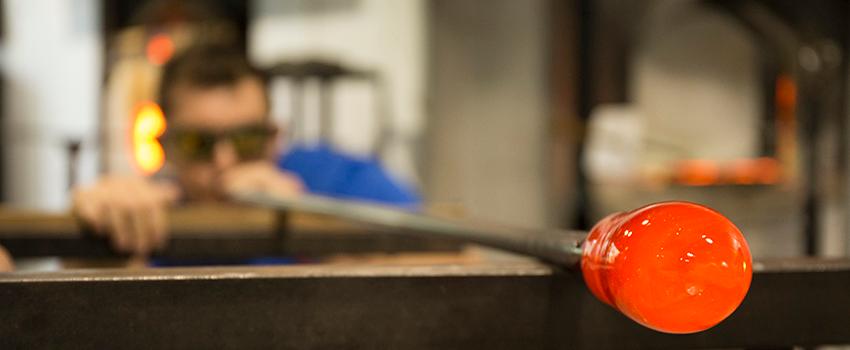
x: 496, y: 306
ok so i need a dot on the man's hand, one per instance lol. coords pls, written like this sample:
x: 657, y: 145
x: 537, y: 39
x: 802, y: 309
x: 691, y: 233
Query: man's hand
x: 6, y: 264
x: 130, y: 210
x: 260, y: 177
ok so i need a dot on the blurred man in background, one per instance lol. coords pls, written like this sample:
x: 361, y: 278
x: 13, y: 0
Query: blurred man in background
x: 220, y: 141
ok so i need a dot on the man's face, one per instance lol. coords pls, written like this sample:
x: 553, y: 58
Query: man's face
x: 221, y: 110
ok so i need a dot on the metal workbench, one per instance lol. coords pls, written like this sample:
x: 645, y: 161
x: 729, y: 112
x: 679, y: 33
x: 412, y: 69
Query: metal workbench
x: 520, y: 306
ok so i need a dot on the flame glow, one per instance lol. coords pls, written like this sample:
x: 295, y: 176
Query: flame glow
x: 148, y: 125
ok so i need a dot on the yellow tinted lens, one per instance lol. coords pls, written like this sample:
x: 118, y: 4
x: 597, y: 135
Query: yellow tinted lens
x: 250, y: 144
x: 195, y: 146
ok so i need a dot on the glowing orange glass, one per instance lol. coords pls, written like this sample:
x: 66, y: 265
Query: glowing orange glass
x: 148, y: 125
x: 674, y: 267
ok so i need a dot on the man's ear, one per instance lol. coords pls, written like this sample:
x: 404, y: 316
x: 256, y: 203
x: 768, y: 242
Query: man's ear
x: 276, y: 142
x: 274, y: 129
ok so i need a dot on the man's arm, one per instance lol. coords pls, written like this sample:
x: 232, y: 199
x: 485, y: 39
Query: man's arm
x: 129, y: 210
x: 6, y: 264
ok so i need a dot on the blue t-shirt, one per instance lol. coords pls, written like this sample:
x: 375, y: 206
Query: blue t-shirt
x: 328, y: 172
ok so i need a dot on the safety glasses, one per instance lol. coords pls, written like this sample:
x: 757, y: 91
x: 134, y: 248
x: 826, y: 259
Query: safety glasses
x: 195, y: 145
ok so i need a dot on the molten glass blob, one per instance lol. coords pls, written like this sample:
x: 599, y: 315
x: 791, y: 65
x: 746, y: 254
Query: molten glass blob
x: 675, y: 267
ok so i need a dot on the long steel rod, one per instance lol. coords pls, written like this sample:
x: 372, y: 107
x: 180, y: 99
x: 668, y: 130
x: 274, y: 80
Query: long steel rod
x: 558, y: 246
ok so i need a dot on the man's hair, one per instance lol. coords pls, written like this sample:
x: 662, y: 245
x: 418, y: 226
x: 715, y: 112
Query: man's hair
x: 204, y: 67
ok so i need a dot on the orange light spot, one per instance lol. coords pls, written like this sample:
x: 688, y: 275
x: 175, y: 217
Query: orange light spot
x: 160, y: 48
x: 770, y: 170
x: 763, y: 170
x: 743, y: 171
x: 698, y: 172
x: 148, y: 125
x: 675, y: 267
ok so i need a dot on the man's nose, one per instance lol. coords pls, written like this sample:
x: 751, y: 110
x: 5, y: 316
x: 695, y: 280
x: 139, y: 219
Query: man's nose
x: 224, y: 155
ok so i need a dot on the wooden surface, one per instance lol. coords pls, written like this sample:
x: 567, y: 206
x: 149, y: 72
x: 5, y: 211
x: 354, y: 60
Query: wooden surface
x: 217, y: 232
x: 189, y: 220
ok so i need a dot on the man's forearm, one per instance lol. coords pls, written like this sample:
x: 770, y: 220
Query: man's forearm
x: 6, y: 263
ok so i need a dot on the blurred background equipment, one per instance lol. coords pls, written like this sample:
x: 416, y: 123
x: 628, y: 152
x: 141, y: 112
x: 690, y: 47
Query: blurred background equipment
x: 52, y: 68
x: 289, y: 88
x: 379, y: 110
x: 741, y: 105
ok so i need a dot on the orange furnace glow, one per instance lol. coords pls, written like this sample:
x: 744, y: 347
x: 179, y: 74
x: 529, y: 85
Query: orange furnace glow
x: 148, y: 125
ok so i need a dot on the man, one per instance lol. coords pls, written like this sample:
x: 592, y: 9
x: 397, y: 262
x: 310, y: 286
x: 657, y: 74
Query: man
x: 219, y: 142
